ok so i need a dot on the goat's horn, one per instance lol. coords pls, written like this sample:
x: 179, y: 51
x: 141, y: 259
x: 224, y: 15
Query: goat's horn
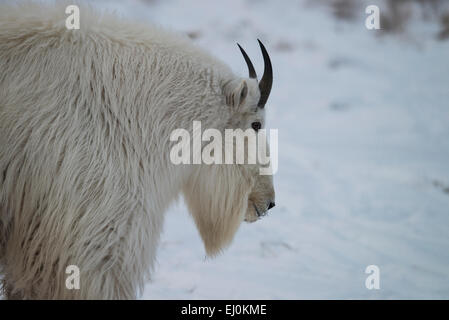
x: 267, y: 78
x: 252, y: 71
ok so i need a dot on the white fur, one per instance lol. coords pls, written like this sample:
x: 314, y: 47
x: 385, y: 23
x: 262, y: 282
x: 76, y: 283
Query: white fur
x: 85, y: 175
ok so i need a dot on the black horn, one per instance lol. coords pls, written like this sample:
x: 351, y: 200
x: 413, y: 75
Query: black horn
x: 267, y: 78
x: 251, y: 70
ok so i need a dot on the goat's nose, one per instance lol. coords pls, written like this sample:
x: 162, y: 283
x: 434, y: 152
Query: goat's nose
x: 271, y: 205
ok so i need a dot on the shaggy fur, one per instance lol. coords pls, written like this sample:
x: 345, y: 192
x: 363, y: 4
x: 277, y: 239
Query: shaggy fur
x: 85, y: 174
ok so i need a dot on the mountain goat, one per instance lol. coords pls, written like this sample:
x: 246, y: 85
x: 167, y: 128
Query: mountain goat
x: 85, y: 173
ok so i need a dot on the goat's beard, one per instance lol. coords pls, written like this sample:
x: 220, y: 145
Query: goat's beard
x: 217, y: 197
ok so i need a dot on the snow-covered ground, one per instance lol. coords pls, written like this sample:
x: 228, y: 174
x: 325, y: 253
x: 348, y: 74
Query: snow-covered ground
x: 363, y: 158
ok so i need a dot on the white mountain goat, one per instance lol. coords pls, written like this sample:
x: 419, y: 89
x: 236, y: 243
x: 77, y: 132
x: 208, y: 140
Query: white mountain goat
x: 85, y: 173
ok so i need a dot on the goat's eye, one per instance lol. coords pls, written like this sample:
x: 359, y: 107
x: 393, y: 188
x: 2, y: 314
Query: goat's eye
x: 256, y: 125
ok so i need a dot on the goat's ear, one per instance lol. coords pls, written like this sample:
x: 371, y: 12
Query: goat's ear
x: 236, y: 96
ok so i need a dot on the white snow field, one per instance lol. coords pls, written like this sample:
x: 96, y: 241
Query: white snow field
x: 363, y: 173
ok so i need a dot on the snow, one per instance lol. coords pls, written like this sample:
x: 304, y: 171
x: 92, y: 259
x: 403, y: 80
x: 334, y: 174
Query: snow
x: 363, y: 173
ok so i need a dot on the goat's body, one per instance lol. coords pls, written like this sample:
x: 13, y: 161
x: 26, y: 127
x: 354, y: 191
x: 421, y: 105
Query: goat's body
x: 85, y: 121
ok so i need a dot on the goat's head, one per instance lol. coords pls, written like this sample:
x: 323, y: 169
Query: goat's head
x: 221, y: 196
